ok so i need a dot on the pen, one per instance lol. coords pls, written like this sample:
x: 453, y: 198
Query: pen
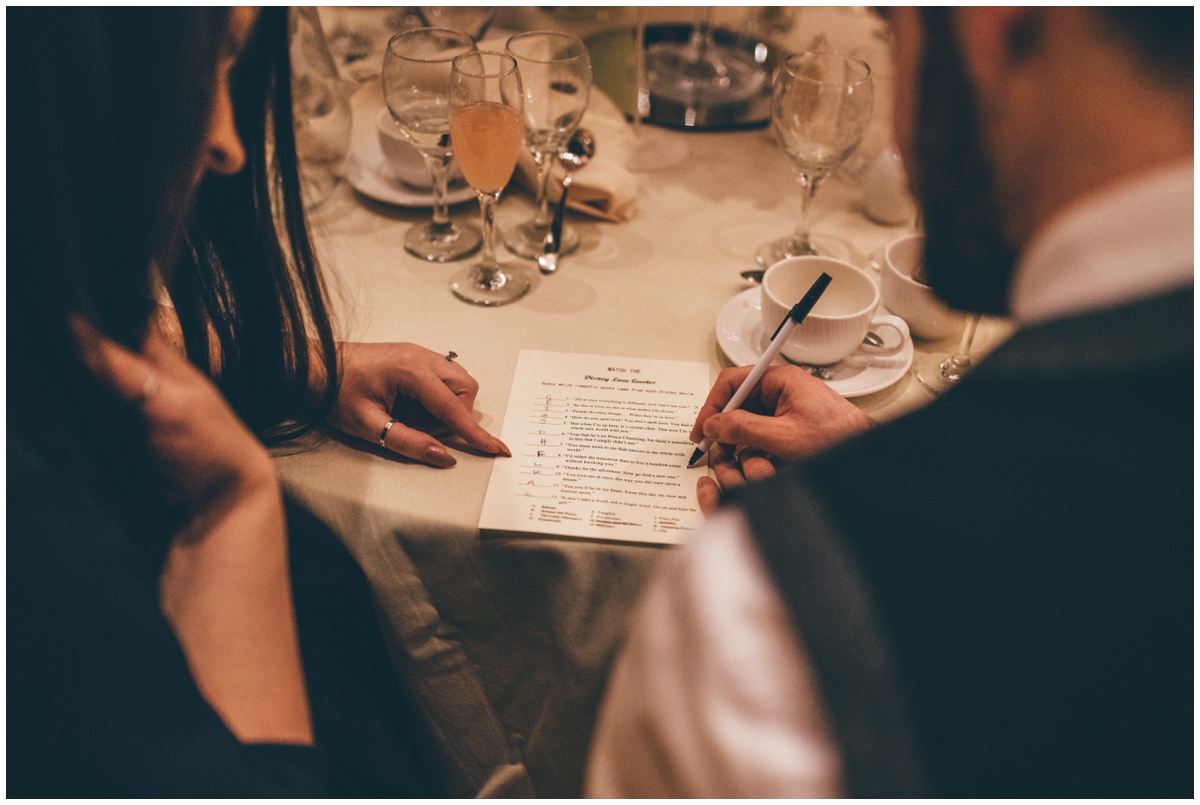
x: 793, y: 318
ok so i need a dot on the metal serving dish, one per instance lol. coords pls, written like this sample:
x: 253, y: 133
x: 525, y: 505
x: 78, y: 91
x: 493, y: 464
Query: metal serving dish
x: 613, y: 68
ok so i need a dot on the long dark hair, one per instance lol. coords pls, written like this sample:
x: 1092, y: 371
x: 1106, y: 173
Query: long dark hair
x: 247, y: 280
x: 108, y: 111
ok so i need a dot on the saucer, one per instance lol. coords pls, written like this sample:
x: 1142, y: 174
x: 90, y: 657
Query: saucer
x: 741, y: 336
x: 369, y: 173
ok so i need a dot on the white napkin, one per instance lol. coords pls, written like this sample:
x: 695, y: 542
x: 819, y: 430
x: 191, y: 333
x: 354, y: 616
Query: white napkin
x: 603, y: 188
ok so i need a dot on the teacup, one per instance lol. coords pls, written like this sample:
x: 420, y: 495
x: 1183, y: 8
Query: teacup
x: 402, y: 157
x: 839, y: 321
x: 915, y: 302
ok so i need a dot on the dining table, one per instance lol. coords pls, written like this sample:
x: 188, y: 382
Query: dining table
x: 506, y: 642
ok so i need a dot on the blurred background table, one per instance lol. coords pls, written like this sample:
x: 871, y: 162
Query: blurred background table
x: 507, y: 642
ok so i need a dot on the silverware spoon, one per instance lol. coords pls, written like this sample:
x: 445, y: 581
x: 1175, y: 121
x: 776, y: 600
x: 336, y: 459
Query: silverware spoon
x: 574, y: 155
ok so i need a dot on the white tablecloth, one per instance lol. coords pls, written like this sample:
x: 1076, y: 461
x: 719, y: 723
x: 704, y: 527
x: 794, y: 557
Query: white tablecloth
x: 507, y: 642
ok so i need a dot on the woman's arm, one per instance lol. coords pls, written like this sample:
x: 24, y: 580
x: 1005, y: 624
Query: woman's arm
x: 379, y: 383
x: 225, y: 587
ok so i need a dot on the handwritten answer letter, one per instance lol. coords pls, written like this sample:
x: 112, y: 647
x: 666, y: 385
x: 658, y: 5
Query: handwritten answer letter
x: 600, y: 448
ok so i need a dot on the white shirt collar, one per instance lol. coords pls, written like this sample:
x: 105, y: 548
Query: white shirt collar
x: 1130, y: 242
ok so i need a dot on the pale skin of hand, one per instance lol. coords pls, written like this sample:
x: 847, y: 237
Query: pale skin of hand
x: 225, y: 587
x: 789, y: 415
x: 377, y: 381
x: 381, y: 381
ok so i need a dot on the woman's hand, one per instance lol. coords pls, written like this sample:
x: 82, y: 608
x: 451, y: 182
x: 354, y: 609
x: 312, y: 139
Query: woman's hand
x: 224, y: 587
x: 788, y: 416
x: 426, y: 393
x: 207, y: 455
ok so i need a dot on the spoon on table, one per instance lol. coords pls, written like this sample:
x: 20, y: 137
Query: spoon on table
x: 576, y: 153
x: 755, y: 275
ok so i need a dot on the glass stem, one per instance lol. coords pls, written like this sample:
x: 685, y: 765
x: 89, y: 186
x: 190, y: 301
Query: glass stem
x: 642, y: 101
x: 439, y: 169
x: 487, y: 207
x: 957, y: 364
x: 543, y: 159
x: 808, y: 189
x: 701, y: 39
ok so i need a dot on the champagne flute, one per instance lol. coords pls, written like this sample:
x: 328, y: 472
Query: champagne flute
x: 416, y: 81
x: 556, y: 75
x: 940, y: 371
x: 486, y: 126
x: 820, y: 106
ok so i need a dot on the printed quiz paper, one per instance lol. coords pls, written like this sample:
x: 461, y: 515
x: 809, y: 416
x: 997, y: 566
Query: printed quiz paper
x: 600, y: 449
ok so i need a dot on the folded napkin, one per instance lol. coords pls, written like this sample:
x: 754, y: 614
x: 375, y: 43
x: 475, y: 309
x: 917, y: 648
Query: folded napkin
x: 603, y: 188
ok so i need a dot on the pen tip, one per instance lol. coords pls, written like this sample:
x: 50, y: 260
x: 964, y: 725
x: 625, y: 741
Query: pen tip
x: 697, y: 454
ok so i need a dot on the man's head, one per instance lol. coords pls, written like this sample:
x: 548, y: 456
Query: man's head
x: 1008, y: 115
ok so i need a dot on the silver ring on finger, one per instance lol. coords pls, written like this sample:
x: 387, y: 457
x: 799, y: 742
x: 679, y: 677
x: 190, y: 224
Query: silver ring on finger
x: 451, y: 355
x: 383, y: 433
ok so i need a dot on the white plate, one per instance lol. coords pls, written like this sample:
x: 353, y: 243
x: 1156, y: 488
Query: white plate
x: 369, y: 173
x: 741, y: 336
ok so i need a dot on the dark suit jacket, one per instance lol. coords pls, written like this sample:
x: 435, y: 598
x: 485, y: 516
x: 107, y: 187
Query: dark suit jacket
x: 997, y: 590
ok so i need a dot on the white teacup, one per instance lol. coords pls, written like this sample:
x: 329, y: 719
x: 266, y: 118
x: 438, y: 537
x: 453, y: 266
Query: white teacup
x: 841, y: 318
x: 402, y: 157
x: 927, y: 316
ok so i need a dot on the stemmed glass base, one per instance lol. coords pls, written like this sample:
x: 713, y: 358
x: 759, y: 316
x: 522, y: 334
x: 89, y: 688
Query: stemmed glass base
x: 940, y: 372
x: 490, y: 286
x: 529, y: 240
x: 773, y: 251
x: 700, y: 73
x: 443, y: 243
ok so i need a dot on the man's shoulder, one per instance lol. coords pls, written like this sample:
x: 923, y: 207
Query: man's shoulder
x: 1130, y: 337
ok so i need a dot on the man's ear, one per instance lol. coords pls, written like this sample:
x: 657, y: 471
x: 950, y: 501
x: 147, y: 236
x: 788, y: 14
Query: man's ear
x: 996, y: 41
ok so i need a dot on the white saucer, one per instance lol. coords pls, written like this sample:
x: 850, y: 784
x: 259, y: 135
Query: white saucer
x: 741, y: 336
x: 369, y: 173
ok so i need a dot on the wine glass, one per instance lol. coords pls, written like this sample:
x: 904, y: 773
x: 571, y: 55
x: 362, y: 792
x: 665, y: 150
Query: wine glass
x: 821, y: 104
x: 486, y: 106
x: 654, y: 149
x: 416, y: 81
x: 556, y: 75
x: 940, y: 371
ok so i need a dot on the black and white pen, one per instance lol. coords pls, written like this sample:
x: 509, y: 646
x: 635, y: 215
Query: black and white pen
x: 793, y: 318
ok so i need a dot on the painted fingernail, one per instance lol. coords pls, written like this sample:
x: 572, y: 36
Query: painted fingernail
x: 502, y: 448
x: 436, y: 456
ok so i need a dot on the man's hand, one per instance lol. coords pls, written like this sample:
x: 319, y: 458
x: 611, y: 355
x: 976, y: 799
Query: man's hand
x: 788, y: 416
